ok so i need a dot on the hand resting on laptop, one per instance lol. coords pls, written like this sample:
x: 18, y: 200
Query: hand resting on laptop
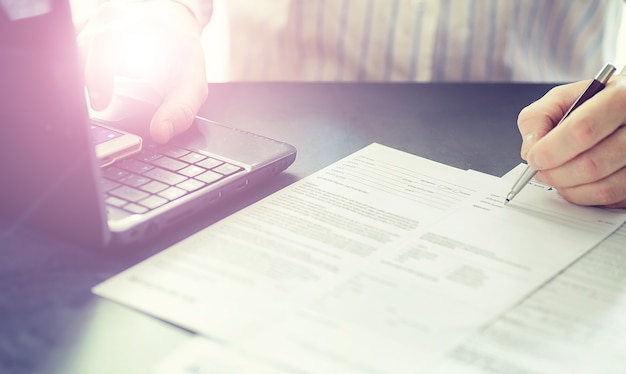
x: 156, y: 43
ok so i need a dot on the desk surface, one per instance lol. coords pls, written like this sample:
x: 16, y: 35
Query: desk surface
x: 51, y: 323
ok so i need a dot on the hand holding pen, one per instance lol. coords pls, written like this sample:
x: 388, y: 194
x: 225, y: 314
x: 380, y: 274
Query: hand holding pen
x: 584, y: 157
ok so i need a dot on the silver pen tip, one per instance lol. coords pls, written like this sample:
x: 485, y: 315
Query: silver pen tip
x: 509, y: 197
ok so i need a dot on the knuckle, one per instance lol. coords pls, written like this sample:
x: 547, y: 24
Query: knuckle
x: 582, y: 132
x: 620, y: 88
x: 588, y: 168
x: 618, y: 95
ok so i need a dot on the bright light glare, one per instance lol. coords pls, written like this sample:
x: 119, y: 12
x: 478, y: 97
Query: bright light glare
x: 143, y: 54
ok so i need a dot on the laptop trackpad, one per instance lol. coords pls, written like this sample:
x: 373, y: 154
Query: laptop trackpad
x: 231, y: 143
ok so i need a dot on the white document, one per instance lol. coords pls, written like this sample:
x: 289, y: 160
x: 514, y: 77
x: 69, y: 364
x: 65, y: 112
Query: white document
x: 204, y: 356
x: 382, y: 262
x: 429, y: 294
x: 574, y: 324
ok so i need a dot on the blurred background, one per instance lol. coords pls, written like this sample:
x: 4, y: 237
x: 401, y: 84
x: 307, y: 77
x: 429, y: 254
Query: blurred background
x: 243, y: 28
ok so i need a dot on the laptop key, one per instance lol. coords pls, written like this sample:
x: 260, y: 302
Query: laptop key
x: 165, y: 176
x: 209, y: 177
x: 193, y: 157
x: 108, y: 185
x: 158, y: 175
x: 169, y: 163
x: 134, y: 180
x: 134, y: 166
x: 153, y: 201
x: 192, y: 171
x: 134, y: 208
x: 190, y: 185
x: 115, y: 201
x: 154, y: 187
x: 210, y: 163
x: 227, y: 169
x: 129, y: 193
x: 172, y: 151
x: 147, y: 156
x: 172, y: 193
x: 113, y: 173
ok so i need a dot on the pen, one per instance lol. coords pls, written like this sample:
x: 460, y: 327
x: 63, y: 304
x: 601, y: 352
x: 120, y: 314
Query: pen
x: 596, y: 85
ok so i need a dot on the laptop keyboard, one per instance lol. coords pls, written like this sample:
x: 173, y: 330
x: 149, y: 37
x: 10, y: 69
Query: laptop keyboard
x: 157, y: 175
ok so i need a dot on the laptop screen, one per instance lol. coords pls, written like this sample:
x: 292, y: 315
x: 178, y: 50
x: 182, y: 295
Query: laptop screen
x: 46, y: 154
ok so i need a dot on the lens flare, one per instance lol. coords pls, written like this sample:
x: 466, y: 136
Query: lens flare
x: 143, y: 52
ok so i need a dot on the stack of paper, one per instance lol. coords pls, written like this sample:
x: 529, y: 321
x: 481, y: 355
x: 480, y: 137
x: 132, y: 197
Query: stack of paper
x: 383, y: 262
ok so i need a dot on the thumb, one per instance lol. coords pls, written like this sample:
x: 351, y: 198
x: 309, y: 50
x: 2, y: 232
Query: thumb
x: 170, y: 119
x: 178, y: 111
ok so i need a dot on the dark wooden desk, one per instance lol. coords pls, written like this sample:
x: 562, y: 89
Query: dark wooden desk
x: 51, y: 323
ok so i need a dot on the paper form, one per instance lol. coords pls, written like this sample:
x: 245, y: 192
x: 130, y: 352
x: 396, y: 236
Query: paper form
x: 382, y: 262
x: 430, y: 293
x: 574, y: 324
x: 204, y: 356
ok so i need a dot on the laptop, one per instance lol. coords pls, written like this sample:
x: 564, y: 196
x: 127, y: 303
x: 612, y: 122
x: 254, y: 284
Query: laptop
x: 51, y: 177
